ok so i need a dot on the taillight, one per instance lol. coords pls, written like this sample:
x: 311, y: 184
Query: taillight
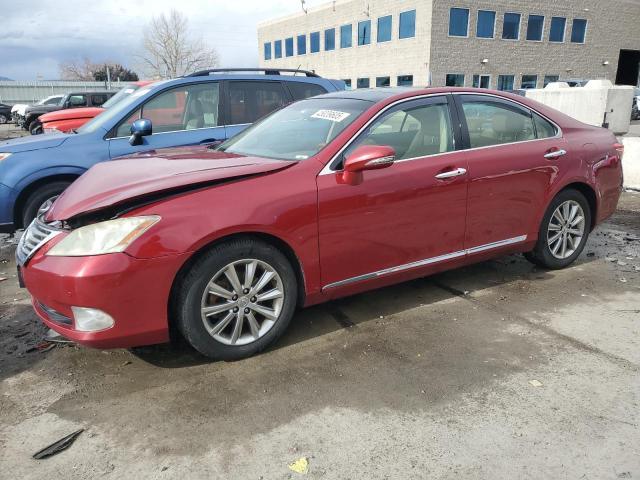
x: 620, y: 149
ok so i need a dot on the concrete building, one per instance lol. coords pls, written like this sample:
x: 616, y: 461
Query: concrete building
x: 500, y: 44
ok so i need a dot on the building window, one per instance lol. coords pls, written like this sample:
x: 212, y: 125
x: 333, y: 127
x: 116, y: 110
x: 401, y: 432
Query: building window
x: 579, y: 30
x: 459, y: 22
x: 288, y: 47
x: 535, y: 26
x: 405, y: 80
x: 556, y: 33
x: 384, y: 29
x: 330, y: 39
x: 408, y: 24
x: 314, y: 40
x: 486, y: 24
x: 455, y: 80
x: 481, y: 81
x: 383, y: 81
x: 506, y: 82
x: 347, y: 83
x: 346, y: 36
x: 302, y: 44
x: 277, y: 45
x: 511, y: 26
x: 550, y: 79
x: 529, y: 81
x: 364, y: 32
x: 362, y: 83
x: 267, y: 51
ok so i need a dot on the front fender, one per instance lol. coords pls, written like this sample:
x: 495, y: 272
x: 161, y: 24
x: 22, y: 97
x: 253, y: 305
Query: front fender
x: 47, y: 173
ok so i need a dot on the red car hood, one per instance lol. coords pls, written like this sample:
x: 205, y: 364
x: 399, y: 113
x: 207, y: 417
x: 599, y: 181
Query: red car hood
x: 71, y: 114
x: 125, y: 180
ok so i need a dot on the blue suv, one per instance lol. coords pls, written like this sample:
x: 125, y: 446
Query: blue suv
x: 204, y: 107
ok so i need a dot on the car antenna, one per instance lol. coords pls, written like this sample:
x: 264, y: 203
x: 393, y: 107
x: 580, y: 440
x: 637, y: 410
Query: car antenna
x: 297, y: 70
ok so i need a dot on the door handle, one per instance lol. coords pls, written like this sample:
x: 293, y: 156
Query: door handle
x: 555, y: 154
x: 452, y: 173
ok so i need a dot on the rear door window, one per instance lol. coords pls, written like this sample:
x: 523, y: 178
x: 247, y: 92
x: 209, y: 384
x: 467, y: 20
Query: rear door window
x: 98, y: 100
x: 544, y: 128
x: 302, y: 90
x: 494, y: 123
x: 249, y: 101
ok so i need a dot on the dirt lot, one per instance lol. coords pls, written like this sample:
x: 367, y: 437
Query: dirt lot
x: 498, y: 371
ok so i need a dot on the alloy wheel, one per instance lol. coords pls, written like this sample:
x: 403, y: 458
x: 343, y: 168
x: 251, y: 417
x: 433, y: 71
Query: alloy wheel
x: 566, y: 229
x: 242, y: 302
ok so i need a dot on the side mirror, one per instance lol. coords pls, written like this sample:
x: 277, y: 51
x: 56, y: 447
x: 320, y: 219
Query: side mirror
x: 140, y: 128
x: 366, y: 157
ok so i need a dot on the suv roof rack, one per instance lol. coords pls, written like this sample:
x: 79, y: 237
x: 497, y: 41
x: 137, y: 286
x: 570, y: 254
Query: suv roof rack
x: 267, y: 71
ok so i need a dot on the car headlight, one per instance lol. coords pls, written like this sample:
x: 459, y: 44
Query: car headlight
x: 111, y: 236
x: 4, y: 155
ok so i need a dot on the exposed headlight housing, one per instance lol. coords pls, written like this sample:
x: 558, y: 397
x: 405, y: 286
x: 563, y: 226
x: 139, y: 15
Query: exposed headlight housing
x: 4, y: 155
x: 111, y: 236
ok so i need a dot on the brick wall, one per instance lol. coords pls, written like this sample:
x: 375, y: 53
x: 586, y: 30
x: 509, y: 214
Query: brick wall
x: 612, y: 25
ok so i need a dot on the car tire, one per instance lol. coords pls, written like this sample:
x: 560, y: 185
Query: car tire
x: 206, y: 298
x: 39, y: 200
x: 559, y: 243
x: 3, y: 119
x: 35, y: 128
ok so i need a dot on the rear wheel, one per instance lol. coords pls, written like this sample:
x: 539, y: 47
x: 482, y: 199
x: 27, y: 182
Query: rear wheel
x: 563, y: 232
x: 41, y: 200
x: 236, y: 299
x: 3, y: 119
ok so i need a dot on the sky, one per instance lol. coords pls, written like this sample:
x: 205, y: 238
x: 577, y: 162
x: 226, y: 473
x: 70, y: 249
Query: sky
x: 37, y: 35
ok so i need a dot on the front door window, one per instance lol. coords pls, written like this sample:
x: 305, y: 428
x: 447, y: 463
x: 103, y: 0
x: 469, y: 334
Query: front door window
x: 187, y: 107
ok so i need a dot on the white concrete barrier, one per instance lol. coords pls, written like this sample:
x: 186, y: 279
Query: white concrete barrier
x: 595, y: 103
x: 631, y: 162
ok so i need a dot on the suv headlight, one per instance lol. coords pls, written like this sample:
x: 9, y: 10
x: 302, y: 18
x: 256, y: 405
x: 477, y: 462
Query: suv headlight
x: 4, y: 155
x: 111, y: 236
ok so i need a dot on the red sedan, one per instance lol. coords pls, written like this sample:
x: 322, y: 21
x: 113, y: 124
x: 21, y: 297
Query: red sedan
x: 328, y: 197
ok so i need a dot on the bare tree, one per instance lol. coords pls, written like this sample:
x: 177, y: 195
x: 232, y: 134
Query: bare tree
x: 169, y: 50
x: 88, y: 70
x: 77, y: 69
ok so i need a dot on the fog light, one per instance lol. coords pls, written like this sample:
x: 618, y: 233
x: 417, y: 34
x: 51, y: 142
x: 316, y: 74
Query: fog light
x: 91, y: 320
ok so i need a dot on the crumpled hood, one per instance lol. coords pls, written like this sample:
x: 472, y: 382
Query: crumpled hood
x: 134, y: 179
x: 71, y: 114
x: 32, y: 142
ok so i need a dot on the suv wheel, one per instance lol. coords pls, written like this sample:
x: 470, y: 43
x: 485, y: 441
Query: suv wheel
x: 238, y: 298
x: 40, y: 201
x: 563, y: 232
x: 3, y: 119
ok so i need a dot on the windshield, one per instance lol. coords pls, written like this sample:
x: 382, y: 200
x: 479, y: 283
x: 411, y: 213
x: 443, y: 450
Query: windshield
x: 298, y: 131
x: 119, y: 110
x: 53, y: 100
x: 121, y: 95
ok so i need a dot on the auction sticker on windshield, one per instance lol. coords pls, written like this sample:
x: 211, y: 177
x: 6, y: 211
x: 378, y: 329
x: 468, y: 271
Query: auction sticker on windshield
x: 333, y: 115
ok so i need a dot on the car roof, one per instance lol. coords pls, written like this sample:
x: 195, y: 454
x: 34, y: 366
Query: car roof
x: 233, y: 76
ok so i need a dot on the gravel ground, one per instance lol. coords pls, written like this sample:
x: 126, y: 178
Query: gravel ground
x: 498, y: 370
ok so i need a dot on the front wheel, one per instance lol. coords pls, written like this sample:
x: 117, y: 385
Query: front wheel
x: 236, y: 299
x: 41, y: 200
x: 35, y: 128
x: 563, y: 232
x: 3, y: 119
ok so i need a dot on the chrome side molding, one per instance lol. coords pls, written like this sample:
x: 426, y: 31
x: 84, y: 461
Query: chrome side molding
x: 426, y: 261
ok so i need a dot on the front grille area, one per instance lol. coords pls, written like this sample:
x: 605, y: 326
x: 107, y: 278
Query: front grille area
x: 34, y: 237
